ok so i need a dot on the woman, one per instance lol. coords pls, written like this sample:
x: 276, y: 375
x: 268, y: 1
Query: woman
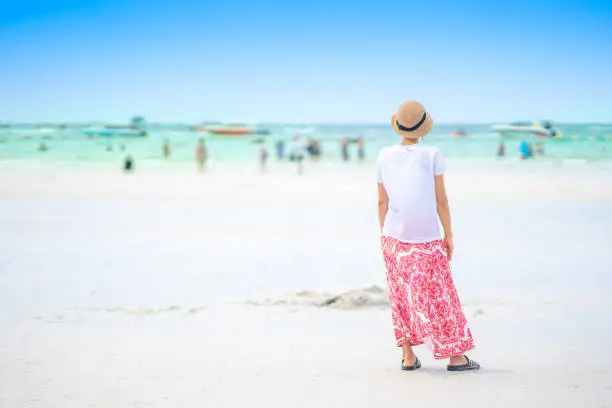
x: 201, y: 154
x: 166, y: 149
x: 411, y: 197
x: 298, y: 153
x: 263, y: 158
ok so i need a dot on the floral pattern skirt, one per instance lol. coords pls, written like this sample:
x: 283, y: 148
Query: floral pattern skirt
x: 425, y: 306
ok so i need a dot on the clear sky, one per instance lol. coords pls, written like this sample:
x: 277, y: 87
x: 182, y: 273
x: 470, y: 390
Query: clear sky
x: 305, y: 61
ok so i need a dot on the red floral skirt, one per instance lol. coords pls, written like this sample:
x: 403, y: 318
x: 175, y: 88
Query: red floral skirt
x: 425, y: 306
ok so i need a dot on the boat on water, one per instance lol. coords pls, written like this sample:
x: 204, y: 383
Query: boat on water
x: 136, y: 128
x: 458, y: 134
x: 115, y: 132
x: 543, y: 129
x: 53, y: 126
x: 304, y: 130
x: 135, y: 123
x: 260, y: 131
x: 231, y: 129
x: 202, y: 127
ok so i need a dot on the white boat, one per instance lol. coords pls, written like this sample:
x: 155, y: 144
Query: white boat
x: 544, y: 129
x: 136, y: 128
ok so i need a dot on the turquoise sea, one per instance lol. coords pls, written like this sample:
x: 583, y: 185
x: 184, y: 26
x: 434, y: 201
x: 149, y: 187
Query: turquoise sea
x: 589, y: 142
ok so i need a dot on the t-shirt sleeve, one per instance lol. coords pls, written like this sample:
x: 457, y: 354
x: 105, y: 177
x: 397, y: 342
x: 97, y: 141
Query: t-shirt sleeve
x: 379, y: 177
x: 439, y: 164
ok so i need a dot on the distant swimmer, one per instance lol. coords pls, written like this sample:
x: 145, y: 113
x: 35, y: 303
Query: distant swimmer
x: 263, y: 158
x: 280, y: 149
x: 313, y: 147
x: 42, y: 147
x: 201, y: 155
x: 166, y: 149
x: 360, y: 148
x: 298, y: 153
x: 539, y: 149
x: 310, y: 147
x: 526, y: 150
x: 344, y: 144
x: 128, y: 164
x: 501, y: 150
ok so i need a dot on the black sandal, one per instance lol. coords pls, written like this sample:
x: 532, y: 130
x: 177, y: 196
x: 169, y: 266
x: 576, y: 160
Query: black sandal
x: 471, y: 365
x: 415, y: 366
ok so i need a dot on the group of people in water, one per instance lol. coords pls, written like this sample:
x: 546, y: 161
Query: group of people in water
x: 299, y: 150
x: 346, y: 143
x: 312, y: 147
x: 201, y: 156
x: 526, y: 149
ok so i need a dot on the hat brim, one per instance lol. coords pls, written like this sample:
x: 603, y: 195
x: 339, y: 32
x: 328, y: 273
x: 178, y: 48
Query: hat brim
x: 423, y: 130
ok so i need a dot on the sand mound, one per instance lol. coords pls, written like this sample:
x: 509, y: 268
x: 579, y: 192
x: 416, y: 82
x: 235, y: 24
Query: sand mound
x: 372, y: 296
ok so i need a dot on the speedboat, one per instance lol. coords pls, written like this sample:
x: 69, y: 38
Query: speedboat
x: 115, y: 132
x: 136, y: 123
x: 136, y: 128
x: 231, y: 130
x: 527, y: 128
x: 459, y: 134
x: 52, y: 126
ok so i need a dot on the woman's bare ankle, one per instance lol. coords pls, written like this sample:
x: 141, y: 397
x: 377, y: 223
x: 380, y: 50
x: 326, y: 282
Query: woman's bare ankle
x: 407, y: 352
x: 457, y: 360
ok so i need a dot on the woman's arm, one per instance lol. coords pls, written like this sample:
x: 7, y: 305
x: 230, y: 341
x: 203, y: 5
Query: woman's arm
x: 383, y: 204
x: 444, y: 214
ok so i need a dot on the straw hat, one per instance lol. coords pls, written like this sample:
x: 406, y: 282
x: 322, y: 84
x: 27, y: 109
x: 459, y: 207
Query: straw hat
x: 411, y: 121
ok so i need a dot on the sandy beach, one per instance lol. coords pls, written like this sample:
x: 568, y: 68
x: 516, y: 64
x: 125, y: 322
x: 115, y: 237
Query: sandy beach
x: 149, y: 289
x: 189, y: 209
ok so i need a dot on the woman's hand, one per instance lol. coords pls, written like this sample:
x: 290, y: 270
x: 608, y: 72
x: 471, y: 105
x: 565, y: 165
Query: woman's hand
x: 450, y: 247
x: 444, y: 214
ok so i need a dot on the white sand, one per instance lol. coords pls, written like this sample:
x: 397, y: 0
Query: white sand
x: 130, y: 291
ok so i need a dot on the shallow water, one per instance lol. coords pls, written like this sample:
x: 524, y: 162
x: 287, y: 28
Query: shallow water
x: 589, y: 142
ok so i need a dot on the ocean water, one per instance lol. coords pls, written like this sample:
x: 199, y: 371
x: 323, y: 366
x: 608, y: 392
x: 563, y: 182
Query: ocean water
x: 588, y: 142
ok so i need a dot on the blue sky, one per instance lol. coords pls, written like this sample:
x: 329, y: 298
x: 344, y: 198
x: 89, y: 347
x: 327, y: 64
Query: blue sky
x: 305, y: 61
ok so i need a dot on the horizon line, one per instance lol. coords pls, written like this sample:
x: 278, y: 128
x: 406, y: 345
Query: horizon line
x: 247, y: 123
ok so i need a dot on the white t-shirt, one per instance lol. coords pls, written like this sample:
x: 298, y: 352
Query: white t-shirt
x: 407, y: 172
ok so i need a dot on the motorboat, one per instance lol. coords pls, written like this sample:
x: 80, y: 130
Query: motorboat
x: 52, y: 126
x: 115, y: 132
x: 231, y: 129
x: 458, y: 134
x: 136, y: 128
x: 527, y: 128
x: 135, y: 123
x: 203, y: 127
